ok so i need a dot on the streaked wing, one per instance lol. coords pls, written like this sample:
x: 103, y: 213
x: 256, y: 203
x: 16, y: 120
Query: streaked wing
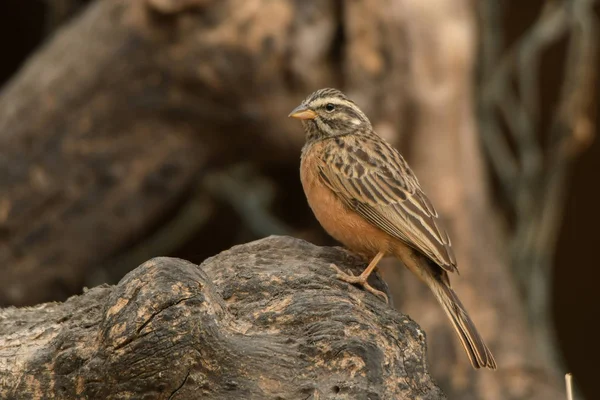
x: 374, y: 180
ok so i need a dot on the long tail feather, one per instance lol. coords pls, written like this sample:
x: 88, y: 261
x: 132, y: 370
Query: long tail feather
x: 479, y: 354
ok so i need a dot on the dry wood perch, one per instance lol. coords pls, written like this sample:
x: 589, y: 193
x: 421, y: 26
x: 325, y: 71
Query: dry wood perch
x: 264, y: 320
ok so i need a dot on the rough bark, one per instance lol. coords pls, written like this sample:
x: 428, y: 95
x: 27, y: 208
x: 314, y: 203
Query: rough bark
x: 265, y: 320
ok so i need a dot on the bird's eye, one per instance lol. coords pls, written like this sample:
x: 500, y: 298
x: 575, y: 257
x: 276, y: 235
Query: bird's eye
x: 330, y: 107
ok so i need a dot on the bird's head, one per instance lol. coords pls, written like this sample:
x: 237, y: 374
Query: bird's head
x: 328, y: 113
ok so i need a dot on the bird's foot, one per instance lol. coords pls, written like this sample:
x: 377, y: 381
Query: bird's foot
x: 359, y: 280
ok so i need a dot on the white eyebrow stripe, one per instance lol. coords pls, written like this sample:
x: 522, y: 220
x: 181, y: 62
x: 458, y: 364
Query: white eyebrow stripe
x: 333, y: 100
x: 320, y: 102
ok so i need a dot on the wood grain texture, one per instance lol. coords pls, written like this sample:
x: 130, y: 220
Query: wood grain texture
x: 263, y: 320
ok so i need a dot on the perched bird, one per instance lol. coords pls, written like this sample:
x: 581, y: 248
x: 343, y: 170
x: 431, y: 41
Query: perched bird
x: 365, y: 195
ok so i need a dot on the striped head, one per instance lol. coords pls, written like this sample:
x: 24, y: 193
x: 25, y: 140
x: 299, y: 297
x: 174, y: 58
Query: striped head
x: 328, y: 113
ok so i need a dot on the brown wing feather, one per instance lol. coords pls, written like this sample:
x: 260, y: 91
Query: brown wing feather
x: 375, y: 181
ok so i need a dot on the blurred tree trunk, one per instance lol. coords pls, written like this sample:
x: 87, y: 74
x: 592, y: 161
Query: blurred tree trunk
x: 444, y: 150
x: 108, y: 128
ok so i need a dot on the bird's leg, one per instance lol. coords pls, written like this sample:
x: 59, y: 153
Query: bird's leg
x: 362, y: 278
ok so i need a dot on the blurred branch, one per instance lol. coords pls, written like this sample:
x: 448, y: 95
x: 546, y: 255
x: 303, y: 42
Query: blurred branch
x: 251, y: 196
x: 189, y: 219
x: 60, y: 11
x: 533, y: 178
x: 503, y: 162
x: 240, y: 186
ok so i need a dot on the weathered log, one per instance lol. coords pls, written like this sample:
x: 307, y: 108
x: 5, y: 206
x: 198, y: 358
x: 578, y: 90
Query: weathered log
x: 264, y: 320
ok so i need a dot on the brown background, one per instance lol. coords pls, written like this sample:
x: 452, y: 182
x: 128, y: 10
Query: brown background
x: 576, y: 295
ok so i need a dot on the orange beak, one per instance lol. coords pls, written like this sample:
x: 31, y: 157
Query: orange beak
x: 301, y: 112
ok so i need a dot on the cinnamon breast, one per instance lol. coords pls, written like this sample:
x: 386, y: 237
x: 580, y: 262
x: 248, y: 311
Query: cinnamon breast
x: 337, y: 219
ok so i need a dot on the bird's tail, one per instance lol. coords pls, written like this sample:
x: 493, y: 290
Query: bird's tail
x: 478, y: 352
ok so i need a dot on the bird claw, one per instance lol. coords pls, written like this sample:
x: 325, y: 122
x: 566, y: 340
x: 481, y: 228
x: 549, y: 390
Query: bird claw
x: 346, y: 277
x: 360, y: 280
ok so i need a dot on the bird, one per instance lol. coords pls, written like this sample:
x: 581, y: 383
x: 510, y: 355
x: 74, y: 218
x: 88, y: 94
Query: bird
x: 364, y: 194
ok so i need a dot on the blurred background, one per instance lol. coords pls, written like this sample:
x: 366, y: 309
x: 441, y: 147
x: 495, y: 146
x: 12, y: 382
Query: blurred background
x: 158, y: 127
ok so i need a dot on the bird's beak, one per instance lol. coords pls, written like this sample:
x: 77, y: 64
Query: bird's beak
x: 302, y: 112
